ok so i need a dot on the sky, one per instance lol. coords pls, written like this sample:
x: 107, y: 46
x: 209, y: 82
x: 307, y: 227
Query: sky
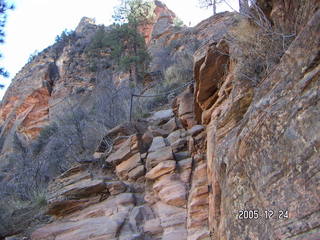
x: 34, y: 24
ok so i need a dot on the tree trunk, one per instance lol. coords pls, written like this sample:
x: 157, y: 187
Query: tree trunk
x: 243, y: 6
x: 214, y: 7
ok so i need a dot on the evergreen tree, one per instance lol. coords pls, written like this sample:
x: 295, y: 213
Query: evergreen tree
x: 132, y: 53
x: 4, y: 6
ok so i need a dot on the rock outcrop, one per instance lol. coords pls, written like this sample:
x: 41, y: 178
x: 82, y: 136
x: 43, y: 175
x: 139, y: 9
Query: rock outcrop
x: 235, y: 156
x: 262, y: 147
x: 141, y: 190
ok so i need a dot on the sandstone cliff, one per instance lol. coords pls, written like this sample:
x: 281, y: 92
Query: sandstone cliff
x: 235, y: 156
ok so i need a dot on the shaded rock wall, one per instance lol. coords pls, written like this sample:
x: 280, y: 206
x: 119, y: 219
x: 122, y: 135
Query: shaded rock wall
x: 262, y: 146
x: 249, y: 171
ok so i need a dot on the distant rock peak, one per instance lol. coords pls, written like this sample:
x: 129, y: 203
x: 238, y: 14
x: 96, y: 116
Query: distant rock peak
x: 84, y: 22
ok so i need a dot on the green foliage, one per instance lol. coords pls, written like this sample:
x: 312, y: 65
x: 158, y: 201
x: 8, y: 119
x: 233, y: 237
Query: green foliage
x: 65, y: 36
x: 4, y: 7
x: 39, y: 198
x: 134, y: 12
x: 178, y: 23
x: 122, y: 42
x: 98, y: 42
x: 33, y: 56
x: 131, y: 52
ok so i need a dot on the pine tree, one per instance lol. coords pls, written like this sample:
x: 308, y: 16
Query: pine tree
x: 132, y: 53
x: 4, y: 6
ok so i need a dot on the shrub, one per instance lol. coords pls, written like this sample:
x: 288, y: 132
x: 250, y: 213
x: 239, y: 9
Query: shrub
x: 65, y: 36
x: 180, y: 72
x: 33, y: 56
x: 39, y: 198
x: 262, y: 49
x: 44, y: 137
x: 98, y: 42
x: 177, y: 23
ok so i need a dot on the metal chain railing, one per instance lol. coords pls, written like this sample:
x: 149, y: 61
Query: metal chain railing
x: 156, y: 95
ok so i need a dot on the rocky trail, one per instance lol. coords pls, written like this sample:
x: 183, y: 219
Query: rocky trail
x: 243, y: 139
x: 152, y: 185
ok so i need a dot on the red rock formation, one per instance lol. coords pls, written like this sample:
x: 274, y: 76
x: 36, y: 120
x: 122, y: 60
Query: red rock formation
x: 163, y: 19
x: 258, y: 148
x: 261, y: 146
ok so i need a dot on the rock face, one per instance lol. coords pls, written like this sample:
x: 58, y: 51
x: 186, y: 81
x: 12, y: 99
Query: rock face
x: 163, y: 20
x: 233, y: 158
x: 68, y: 96
x: 140, y: 194
x: 262, y: 147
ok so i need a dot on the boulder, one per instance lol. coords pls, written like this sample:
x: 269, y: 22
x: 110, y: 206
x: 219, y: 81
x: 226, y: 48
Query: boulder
x: 162, y: 116
x: 171, y: 217
x: 181, y: 155
x: 179, y: 145
x: 125, y: 167
x: 64, y: 207
x: 153, y: 226
x: 185, y: 102
x: 138, y: 216
x: 171, y: 190
x: 137, y: 172
x: 116, y: 187
x: 158, y: 156
x: 196, y: 129
x: 162, y: 168
x: 188, y: 120
x: 91, y: 222
x: 170, y: 126
x: 126, y: 150
x: 157, y: 143
x: 184, y: 168
x: 174, y: 136
x: 157, y: 131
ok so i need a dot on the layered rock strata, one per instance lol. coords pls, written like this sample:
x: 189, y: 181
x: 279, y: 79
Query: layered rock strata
x: 148, y: 187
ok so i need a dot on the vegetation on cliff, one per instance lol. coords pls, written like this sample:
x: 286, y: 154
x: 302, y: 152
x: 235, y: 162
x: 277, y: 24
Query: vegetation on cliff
x: 63, y: 102
x: 4, y: 7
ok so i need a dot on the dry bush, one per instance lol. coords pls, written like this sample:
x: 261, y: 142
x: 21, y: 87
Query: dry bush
x: 257, y: 45
x: 175, y: 78
x: 180, y: 72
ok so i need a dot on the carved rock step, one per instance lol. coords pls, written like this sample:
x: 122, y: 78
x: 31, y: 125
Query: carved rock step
x: 84, y: 188
x: 157, y: 143
x: 161, y: 169
x: 99, y: 221
x: 161, y: 116
x: 125, y: 151
x: 126, y: 166
x: 171, y: 190
x: 158, y: 156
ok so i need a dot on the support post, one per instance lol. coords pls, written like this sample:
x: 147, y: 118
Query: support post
x: 130, y: 114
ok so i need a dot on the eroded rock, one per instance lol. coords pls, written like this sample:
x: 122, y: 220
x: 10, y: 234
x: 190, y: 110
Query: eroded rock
x: 161, y: 168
